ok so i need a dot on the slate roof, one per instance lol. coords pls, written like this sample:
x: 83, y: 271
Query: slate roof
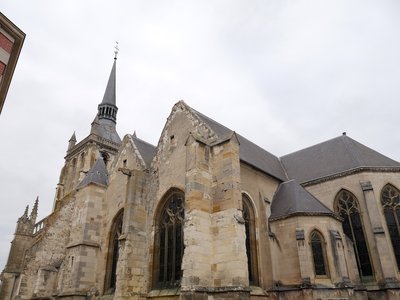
x: 109, y: 94
x: 105, y: 129
x: 147, y: 151
x: 292, y: 199
x: 97, y: 174
x: 250, y: 153
x: 332, y: 157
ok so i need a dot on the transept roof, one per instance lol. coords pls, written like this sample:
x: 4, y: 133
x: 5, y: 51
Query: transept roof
x: 250, y: 153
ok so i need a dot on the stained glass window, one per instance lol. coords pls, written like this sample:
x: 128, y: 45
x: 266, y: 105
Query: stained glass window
x: 391, y: 208
x: 169, y: 242
x: 348, y: 208
x: 319, y: 254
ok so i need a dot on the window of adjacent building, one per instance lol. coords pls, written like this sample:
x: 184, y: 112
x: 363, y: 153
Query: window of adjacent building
x: 113, y: 254
x: 169, y: 242
x: 5, y: 43
x: 319, y: 253
x: 391, y: 208
x: 348, y: 208
x: 251, y: 241
x: 2, y: 68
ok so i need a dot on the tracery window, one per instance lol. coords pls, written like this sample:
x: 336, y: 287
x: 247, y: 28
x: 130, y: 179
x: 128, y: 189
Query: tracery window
x: 113, y: 253
x: 391, y: 208
x: 251, y: 242
x: 348, y: 208
x: 319, y: 253
x: 169, y: 242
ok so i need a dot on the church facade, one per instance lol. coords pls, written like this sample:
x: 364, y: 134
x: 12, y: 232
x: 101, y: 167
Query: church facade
x: 207, y: 214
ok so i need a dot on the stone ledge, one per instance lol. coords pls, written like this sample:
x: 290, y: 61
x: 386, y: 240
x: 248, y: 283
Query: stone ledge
x: 84, y: 243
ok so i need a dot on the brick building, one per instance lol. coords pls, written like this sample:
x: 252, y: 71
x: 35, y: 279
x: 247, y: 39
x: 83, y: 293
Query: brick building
x: 207, y: 214
x: 11, y: 41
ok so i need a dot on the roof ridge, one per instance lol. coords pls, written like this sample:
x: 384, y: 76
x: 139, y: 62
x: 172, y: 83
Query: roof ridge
x: 283, y: 167
x: 312, y: 146
x: 207, y: 117
x: 136, y: 138
x: 350, y: 149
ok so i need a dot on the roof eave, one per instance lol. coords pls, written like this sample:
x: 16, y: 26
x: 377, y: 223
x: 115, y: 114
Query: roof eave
x: 305, y: 214
x: 349, y: 172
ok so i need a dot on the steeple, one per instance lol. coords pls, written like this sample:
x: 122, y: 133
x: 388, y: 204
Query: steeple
x: 105, y: 122
x: 107, y: 109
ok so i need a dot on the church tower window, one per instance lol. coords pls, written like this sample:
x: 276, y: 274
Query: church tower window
x: 348, y: 208
x: 319, y: 253
x: 251, y: 241
x: 113, y: 254
x: 169, y: 242
x: 390, y: 201
x: 105, y: 156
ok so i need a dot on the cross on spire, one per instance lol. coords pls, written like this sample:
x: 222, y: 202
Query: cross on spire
x: 116, y: 50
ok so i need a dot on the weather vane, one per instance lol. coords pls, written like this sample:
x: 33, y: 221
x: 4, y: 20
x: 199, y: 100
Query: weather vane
x: 116, y: 50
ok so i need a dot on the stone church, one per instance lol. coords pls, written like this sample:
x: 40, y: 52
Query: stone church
x: 207, y: 214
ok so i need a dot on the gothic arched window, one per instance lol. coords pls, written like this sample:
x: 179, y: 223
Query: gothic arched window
x: 169, y: 242
x: 348, y: 208
x: 251, y: 242
x: 319, y: 253
x: 391, y: 208
x: 113, y: 254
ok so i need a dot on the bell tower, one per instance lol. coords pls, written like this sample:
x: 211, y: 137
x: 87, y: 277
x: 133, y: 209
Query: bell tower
x: 103, y: 141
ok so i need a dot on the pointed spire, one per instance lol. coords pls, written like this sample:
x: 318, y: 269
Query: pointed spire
x: 134, y: 134
x: 72, y: 141
x: 24, y: 216
x: 107, y: 109
x: 26, y: 212
x: 106, y: 119
x: 34, y: 212
x: 109, y: 94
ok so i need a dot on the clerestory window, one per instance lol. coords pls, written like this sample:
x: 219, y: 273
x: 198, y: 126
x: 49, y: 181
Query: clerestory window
x: 390, y: 201
x: 348, y: 208
x: 169, y: 242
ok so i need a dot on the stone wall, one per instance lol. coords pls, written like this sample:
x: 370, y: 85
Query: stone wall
x: 367, y: 187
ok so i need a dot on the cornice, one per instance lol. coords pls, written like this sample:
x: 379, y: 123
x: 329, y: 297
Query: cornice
x: 349, y: 172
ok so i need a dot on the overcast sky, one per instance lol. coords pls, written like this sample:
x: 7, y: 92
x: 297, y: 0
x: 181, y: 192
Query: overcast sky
x: 285, y: 74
